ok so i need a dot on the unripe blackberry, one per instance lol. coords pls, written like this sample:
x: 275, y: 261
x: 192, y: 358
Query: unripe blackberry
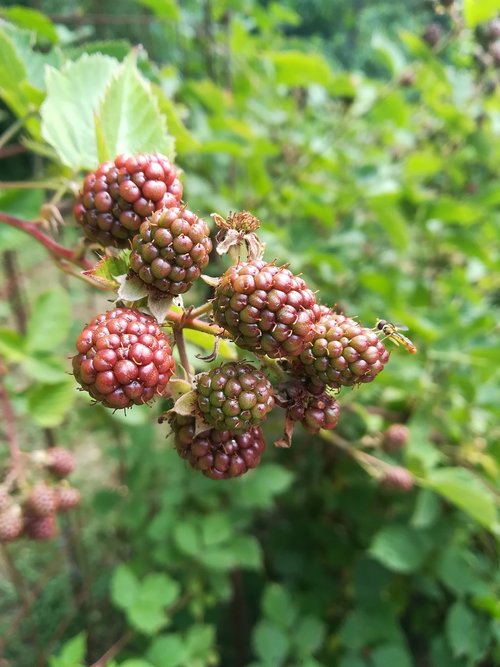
x: 321, y: 412
x: 11, y: 523
x: 67, y: 498
x: 398, y: 478
x: 493, y: 30
x: 266, y: 308
x: 123, y: 358
x: 432, y: 34
x: 234, y: 397
x: 395, y: 437
x: 170, y: 250
x: 41, y: 527
x: 120, y: 195
x: 342, y: 352
x: 41, y: 500
x: 494, y: 51
x: 218, y: 454
x: 60, y: 461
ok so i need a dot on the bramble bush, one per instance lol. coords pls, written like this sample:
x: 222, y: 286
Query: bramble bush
x: 220, y: 236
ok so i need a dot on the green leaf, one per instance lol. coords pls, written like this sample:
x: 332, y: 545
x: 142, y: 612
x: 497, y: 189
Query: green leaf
x: 49, y: 321
x: 389, y: 52
x: 32, y: 20
x: 145, y: 618
x: 278, y: 606
x: 427, y: 509
x: 458, y: 570
x: 72, y: 653
x: 67, y: 123
x: 124, y: 587
x: 45, y: 368
x: 477, y: 11
x: 247, y: 551
x: 200, y: 640
x: 166, y: 9
x: 259, y: 488
x: 159, y: 590
x: 12, y: 345
x: 270, y: 643
x: 352, y: 660
x: 168, y: 651
x: 216, y: 528
x: 296, y: 68
x: 49, y: 403
x: 308, y: 635
x: 399, y: 548
x: 136, y: 662
x: 464, y: 489
x: 12, y: 75
x: 188, y: 538
x: 391, y: 656
x: 465, y: 634
x: 129, y: 118
x: 108, y: 268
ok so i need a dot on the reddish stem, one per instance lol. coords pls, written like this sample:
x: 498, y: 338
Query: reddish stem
x: 10, y: 429
x: 51, y: 245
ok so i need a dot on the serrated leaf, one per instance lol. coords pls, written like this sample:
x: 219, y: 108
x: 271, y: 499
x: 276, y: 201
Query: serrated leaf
x: 124, y: 587
x: 107, y: 269
x: 159, y: 307
x: 49, y: 321
x: 185, y: 404
x: 131, y: 289
x: 49, y: 403
x: 129, y: 118
x: 12, y: 73
x: 465, y: 490
x: 32, y: 20
x: 67, y: 122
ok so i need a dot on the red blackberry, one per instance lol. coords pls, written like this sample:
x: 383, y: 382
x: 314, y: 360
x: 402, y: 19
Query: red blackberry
x: 398, y: 478
x: 395, y: 437
x: 342, y: 352
x: 120, y: 195
x: 41, y: 527
x: 11, y: 523
x: 170, y: 250
x: 266, y: 308
x: 234, y: 397
x: 218, y: 454
x: 320, y: 412
x: 41, y: 500
x: 5, y: 500
x: 123, y: 358
x: 67, y: 497
x: 60, y: 462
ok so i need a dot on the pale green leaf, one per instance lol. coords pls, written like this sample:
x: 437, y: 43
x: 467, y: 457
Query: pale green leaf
x: 296, y: 68
x: 12, y: 74
x: 72, y: 653
x: 465, y: 490
x: 73, y: 96
x: 163, y: 9
x: 45, y: 368
x: 12, y: 345
x: 477, y: 11
x: 464, y: 632
x: 145, y: 618
x: 32, y: 20
x: 49, y: 321
x: 129, y: 118
x: 168, y: 651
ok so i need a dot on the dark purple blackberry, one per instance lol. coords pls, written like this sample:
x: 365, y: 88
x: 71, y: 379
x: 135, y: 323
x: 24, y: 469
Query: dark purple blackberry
x: 218, y: 454
x: 117, y: 198
x: 266, y: 308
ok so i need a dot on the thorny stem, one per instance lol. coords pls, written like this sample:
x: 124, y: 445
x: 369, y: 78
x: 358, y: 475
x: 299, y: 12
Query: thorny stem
x: 197, y: 325
x: 52, y: 246
x: 181, y: 347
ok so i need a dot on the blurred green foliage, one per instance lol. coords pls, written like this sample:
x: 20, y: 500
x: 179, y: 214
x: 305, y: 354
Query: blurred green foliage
x: 372, y: 160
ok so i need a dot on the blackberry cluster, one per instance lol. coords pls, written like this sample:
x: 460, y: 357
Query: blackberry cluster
x: 266, y: 308
x: 32, y: 512
x: 123, y: 359
x: 170, y: 250
x: 234, y: 397
x: 117, y: 198
x: 218, y: 454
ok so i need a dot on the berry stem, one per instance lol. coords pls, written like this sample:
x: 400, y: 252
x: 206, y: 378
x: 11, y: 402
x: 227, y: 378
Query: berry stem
x: 52, y: 246
x: 201, y: 310
x: 183, y: 357
x: 371, y: 464
x: 197, y: 325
